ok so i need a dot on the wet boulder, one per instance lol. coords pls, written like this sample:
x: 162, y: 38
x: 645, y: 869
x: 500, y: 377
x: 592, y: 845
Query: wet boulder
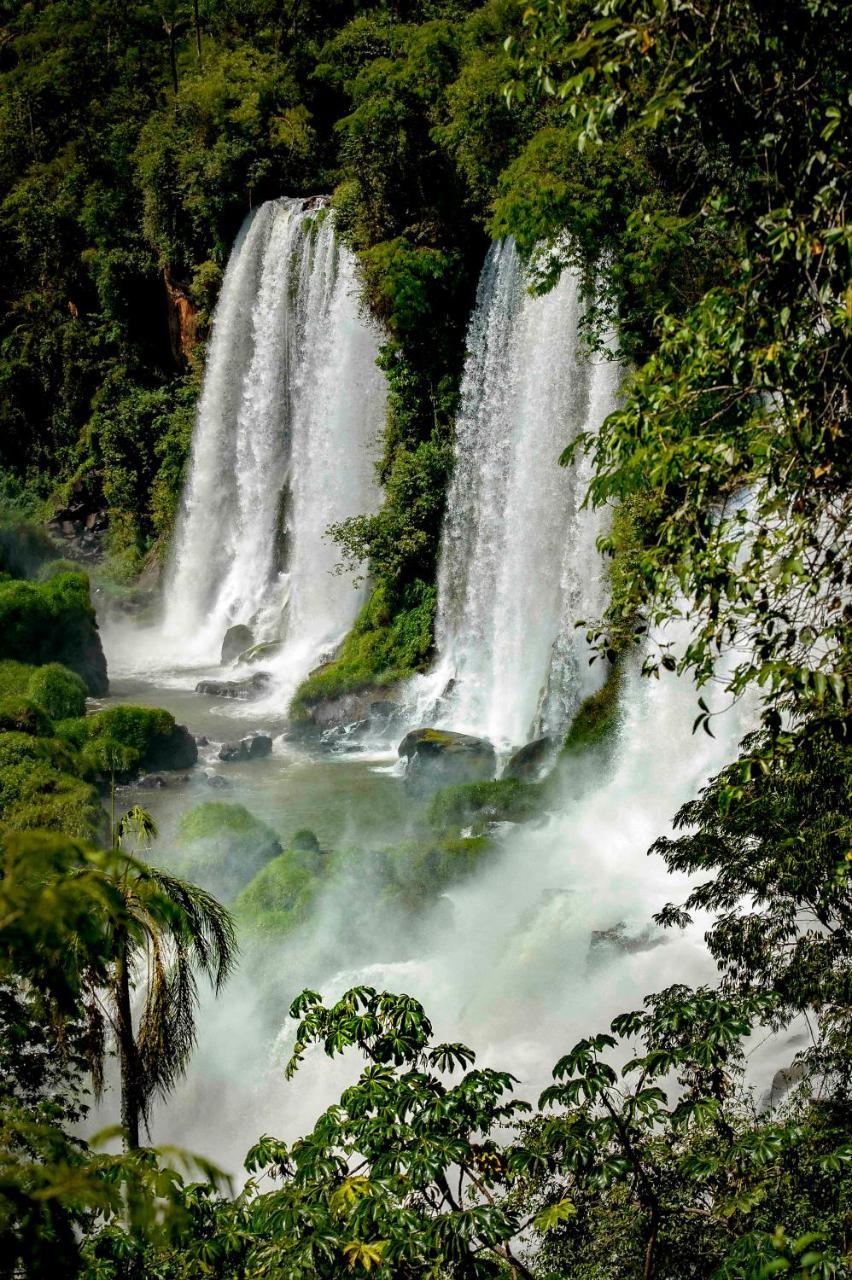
x: 255, y: 747
x: 532, y: 761
x: 237, y: 640
x: 440, y: 758
x: 623, y: 939
x: 259, y: 652
x: 173, y: 750
x: 243, y: 690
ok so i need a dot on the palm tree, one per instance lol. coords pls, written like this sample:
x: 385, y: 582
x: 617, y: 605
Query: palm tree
x: 171, y: 931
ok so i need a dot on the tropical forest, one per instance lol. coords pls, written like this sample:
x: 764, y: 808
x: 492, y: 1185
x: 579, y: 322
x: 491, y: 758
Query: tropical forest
x: 425, y: 640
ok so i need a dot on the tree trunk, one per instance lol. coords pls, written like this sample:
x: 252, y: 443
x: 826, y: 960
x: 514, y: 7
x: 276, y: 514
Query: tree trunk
x: 128, y: 1058
x: 197, y: 22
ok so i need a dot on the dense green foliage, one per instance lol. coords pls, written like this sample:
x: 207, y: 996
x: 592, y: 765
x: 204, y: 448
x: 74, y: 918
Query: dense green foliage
x: 52, y: 621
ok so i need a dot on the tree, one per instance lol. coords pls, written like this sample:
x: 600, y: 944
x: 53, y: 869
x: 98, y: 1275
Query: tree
x: 171, y: 929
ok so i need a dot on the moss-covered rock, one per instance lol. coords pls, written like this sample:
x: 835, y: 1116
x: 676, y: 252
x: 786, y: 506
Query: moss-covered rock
x: 281, y: 895
x: 53, y: 622
x: 441, y: 758
x: 596, y: 722
x: 533, y: 760
x: 222, y: 847
x: 123, y: 740
x: 476, y: 804
x: 386, y: 645
x: 236, y: 640
x: 60, y: 692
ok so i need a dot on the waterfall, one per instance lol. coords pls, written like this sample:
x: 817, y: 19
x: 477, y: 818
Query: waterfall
x: 518, y: 564
x: 285, y: 444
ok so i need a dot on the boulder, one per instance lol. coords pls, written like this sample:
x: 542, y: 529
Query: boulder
x: 440, y: 758
x: 254, y: 747
x: 622, y: 939
x: 152, y: 782
x: 174, y: 750
x: 159, y: 781
x: 376, y: 704
x: 237, y: 640
x: 217, y: 782
x: 257, y: 652
x: 244, y: 690
x: 532, y: 761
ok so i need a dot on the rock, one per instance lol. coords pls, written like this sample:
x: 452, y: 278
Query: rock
x: 257, y: 652
x: 237, y: 640
x: 347, y: 708
x: 176, y: 750
x: 152, y: 782
x: 217, y: 781
x: 533, y: 760
x: 201, y: 741
x: 254, y: 747
x: 253, y: 687
x: 604, y: 943
x: 383, y: 709
x: 440, y: 758
x: 784, y: 1079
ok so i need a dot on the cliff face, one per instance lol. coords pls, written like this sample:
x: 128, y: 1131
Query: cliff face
x: 182, y: 315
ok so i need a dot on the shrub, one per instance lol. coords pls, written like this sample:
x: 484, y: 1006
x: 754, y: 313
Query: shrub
x: 35, y: 795
x: 60, y: 692
x: 14, y: 678
x: 15, y: 748
x: 305, y: 841
x: 18, y: 715
x: 53, y: 622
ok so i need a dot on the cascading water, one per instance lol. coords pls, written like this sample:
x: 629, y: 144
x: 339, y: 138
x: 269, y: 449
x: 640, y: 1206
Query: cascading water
x: 518, y: 560
x: 285, y: 444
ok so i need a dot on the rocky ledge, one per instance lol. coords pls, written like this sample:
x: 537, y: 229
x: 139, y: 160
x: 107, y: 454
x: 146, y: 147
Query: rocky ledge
x: 440, y: 758
x: 252, y: 687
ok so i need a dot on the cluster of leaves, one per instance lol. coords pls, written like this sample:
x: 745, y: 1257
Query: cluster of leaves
x: 67, y: 913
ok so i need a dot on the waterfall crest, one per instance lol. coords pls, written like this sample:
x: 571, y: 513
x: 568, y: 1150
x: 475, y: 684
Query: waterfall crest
x: 285, y: 444
x: 518, y: 564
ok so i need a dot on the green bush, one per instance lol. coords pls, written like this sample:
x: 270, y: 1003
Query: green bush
x: 53, y: 621
x: 305, y: 841
x: 223, y: 846
x: 122, y: 739
x: 16, y: 747
x: 33, y: 794
x: 478, y: 803
x: 18, y: 715
x: 60, y: 692
x: 15, y: 678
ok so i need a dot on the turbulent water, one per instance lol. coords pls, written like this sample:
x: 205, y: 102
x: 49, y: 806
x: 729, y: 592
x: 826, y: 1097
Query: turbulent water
x: 285, y: 444
x: 518, y: 562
